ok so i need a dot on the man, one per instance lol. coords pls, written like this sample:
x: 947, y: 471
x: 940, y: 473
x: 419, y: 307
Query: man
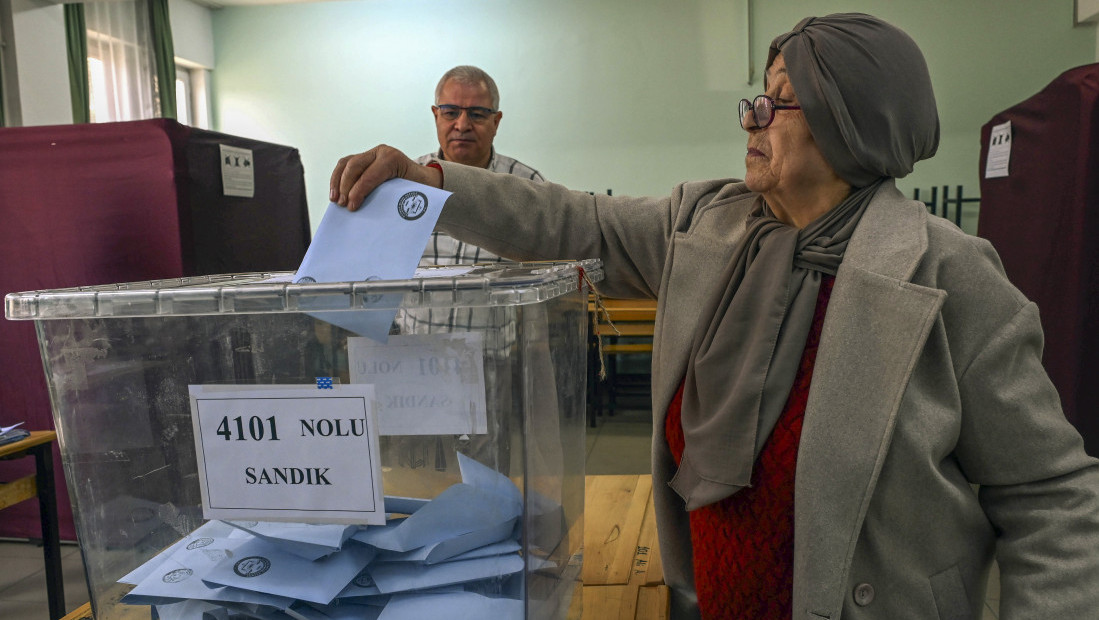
x: 467, y: 115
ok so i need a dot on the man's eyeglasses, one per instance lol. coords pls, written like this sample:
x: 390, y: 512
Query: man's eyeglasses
x: 763, y: 112
x: 477, y: 114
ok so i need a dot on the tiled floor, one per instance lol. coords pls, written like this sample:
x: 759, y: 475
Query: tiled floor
x: 23, y: 580
x: 619, y: 445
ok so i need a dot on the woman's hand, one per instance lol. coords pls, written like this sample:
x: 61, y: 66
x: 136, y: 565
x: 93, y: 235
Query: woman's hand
x: 356, y: 176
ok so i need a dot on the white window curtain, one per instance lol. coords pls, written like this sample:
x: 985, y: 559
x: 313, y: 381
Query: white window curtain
x: 120, y: 60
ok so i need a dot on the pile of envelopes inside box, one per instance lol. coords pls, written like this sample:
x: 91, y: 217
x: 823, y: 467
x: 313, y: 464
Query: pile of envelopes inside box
x: 456, y: 555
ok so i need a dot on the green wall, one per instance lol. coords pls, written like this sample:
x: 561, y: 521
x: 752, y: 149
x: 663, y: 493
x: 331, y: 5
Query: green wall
x: 630, y: 95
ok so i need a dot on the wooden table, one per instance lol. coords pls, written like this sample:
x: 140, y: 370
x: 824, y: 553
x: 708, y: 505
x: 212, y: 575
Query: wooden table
x: 622, y: 576
x: 40, y: 484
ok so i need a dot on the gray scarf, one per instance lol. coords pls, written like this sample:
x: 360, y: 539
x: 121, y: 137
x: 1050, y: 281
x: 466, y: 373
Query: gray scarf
x: 749, y: 355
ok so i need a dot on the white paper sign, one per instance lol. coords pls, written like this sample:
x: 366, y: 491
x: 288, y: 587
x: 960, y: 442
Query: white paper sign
x: 288, y: 453
x: 432, y: 384
x: 237, y: 171
x: 999, y: 151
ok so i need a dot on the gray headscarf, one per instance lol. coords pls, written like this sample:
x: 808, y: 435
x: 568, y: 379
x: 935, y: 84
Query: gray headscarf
x: 866, y: 95
x: 865, y: 91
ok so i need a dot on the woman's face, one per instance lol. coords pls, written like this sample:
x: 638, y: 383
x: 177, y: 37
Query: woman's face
x: 783, y: 159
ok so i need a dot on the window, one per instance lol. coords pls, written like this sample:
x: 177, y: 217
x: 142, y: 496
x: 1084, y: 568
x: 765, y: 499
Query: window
x: 120, y: 67
x: 122, y: 81
x: 183, y: 95
x: 97, y: 91
x: 192, y: 106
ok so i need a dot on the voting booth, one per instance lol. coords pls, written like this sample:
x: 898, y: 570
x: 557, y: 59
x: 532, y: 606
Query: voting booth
x: 1040, y: 208
x: 235, y: 447
x: 95, y: 203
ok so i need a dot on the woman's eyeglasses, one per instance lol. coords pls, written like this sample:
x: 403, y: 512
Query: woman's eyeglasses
x: 477, y: 114
x: 763, y: 110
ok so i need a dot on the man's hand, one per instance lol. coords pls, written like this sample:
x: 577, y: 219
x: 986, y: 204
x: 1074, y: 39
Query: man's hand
x: 356, y: 176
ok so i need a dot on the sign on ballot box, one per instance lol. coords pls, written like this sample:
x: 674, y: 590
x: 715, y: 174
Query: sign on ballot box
x: 288, y: 453
x: 426, y: 384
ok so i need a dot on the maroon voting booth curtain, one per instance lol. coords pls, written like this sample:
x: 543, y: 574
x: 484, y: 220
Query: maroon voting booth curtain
x: 120, y: 202
x: 1043, y: 219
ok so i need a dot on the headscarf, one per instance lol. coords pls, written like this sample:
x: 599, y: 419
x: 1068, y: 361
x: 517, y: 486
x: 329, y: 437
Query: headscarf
x: 865, y: 91
x: 866, y: 95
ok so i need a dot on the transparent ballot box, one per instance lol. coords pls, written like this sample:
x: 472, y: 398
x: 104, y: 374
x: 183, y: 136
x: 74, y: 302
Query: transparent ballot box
x: 242, y: 446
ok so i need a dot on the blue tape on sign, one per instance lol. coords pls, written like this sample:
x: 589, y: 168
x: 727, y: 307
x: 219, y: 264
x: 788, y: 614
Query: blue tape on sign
x: 324, y: 383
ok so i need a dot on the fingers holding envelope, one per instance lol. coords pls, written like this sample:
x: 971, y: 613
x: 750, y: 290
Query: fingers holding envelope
x: 355, y: 176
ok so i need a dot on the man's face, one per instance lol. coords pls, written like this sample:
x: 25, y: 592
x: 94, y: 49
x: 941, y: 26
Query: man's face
x: 465, y: 140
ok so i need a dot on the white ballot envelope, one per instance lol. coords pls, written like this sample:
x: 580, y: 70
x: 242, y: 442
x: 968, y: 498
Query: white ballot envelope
x: 457, y: 511
x: 221, y: 595
x: 179, y: 575
x: 481, y: 509
x: 489, y: 480
x: 463, y: 544
x: 209, y: 531
x: 393, y: 577
x: 442, y: 552
x: 302, y: 611
x: 351, y: 611
x: 418, y: 605
x: 262, y: 567
x: 189, y: 610
x: 383, y: 240
x: 311, y: 541
x: 362, y: 587
x: 404, y: 505
x: 381, y: 534
x: 504, y: 547
x: 242, y: 611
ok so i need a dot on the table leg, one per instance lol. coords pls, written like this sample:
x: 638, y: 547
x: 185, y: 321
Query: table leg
x: 51, y: 540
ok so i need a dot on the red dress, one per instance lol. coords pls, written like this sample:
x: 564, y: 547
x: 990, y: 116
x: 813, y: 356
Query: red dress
x: 743, y: 546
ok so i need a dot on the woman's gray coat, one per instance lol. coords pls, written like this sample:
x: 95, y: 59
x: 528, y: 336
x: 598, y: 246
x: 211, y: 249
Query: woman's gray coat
x: 933, y: 440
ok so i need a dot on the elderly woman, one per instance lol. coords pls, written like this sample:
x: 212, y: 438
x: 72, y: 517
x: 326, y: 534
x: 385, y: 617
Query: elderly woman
x: 834, y: 370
